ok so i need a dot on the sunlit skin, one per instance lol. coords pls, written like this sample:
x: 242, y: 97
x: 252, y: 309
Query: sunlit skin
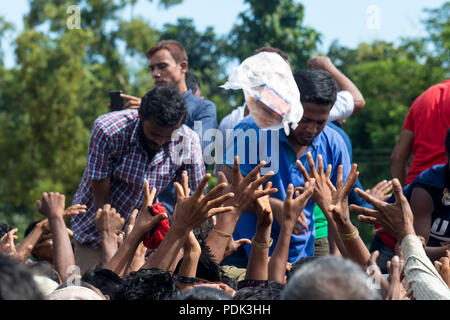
x: 165, y: 70
x: 158, y: 136
x: 314, y: 120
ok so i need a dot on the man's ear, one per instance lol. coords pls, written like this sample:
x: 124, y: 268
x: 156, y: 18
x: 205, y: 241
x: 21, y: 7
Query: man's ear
x: 184, y: 66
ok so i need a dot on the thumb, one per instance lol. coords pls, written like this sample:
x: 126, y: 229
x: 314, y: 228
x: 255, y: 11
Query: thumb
x: 241, y: 242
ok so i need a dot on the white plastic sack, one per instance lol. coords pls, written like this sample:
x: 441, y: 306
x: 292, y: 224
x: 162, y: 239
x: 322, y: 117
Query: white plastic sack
x: 270, y: 91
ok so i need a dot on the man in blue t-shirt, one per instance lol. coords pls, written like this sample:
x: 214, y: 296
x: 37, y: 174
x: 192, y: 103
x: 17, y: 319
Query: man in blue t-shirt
x: 252, y: 144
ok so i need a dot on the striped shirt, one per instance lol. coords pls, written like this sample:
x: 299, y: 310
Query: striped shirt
x: 115, y: 152
x: 420, y: 273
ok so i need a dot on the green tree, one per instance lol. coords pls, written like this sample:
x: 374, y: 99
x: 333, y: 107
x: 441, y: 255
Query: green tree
x: 276, y: 23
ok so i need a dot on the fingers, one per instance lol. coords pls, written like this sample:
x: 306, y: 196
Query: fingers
x: 320, y: 164
x: 256, y: 170
x: 311, y: 164
x: 237, y: 176
x: 201, y: 187
x: 373, y: 201
x: 302, y: 170
x: 367, y: 220
x: 214, y: 192
x: 241, y: 242
x: 340, y: 178
x: 222, y: 177
x: 217, y: 202
x: 438, y: 266
x: 398, y: 191
x: 309, y: 189
x: 185, y: 183
x: 373, y: 258
x: 179, y: 189
x: 351, y: 179
x: 328, y: 173
x: 220, y: 210
x: 148, y: 196
x: 265, y: 192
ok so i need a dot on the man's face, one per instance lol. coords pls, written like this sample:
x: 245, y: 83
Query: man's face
x: 314, y: 119
x: 155, y: 136
x: 165, y: 70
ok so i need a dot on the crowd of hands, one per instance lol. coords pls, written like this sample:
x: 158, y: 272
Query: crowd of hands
x: 123, y: 250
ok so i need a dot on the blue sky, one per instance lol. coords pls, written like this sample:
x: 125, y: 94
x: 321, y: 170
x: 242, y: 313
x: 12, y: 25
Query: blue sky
x: 349, y: 21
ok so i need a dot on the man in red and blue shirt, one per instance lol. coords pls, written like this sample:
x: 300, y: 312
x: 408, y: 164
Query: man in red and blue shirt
x: 126, y: 148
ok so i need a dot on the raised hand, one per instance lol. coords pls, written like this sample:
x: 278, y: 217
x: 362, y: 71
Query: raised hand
x: 75, y: 210
x: 293, y: 208
x: 52, y: 204
x: 248, y: 192
x: 381, y: 190
x: 339, y: 206
x: 7, y: 246
x: 396, y: 218
x: 108, y: 220
x: 395, y: 286
x: 145, y: 221
x: 191, y: 211
x: 322, y: 190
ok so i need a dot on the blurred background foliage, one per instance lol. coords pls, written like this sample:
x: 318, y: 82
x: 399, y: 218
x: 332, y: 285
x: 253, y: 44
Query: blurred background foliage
x: 61, y: 80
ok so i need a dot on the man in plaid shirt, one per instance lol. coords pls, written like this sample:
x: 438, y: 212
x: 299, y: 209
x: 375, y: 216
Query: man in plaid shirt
x: 126, y: 148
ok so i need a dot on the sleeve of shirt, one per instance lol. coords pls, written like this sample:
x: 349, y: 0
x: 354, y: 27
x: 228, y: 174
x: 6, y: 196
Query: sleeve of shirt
x: 409, y: 121
x: 99, y: 163
x: 343, y: 107
x: 420, y: 273
x: 208, y: 116
x: 340, y: 156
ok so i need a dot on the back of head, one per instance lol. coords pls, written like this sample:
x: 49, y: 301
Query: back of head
x: 108, y: 282
x: 300, y: 262
x: 316, y: 86
x: 16, y: 282
x: 329, y: 278
x: 204, y: 293
x: 275, y: 50
x: 148, y: 284
x: 259, y: 290
x: 164, y: 105
x: 192, y: 82
x: 175, y: 48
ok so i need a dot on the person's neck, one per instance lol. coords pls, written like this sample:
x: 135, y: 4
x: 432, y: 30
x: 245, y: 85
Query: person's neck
x: 183, y: 88
x: 298, y: 149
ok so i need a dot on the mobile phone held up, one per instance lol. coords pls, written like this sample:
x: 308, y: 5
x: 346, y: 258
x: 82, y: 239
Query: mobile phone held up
x: 117, y: 102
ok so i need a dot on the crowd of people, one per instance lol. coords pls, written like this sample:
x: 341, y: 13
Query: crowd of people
x: 144, y: 225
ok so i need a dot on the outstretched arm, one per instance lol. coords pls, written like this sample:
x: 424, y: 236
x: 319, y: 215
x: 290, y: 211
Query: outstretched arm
x: 343, y: 82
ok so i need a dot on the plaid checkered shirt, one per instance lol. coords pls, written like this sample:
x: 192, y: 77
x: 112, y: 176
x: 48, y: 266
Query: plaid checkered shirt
x: 115, y: 152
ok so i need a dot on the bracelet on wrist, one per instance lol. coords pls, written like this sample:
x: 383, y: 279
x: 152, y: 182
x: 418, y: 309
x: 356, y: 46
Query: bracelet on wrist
x: 349, y: 236
x: 262, y: 245
x: 223, y: 234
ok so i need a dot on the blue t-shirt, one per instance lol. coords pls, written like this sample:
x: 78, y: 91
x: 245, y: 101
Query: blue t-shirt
x: 436, y: 181
x: 273, y: 146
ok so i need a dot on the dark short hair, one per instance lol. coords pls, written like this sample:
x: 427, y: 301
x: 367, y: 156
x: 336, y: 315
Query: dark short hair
x: 107, y: 281
x: 164, y: 105
x: 45, y: 269
x: 148, y: 284
x: 192, y: 81
x: 175, y: 49
x: 280, y: 52
x: 316, y: 86
x: 258, y: 290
